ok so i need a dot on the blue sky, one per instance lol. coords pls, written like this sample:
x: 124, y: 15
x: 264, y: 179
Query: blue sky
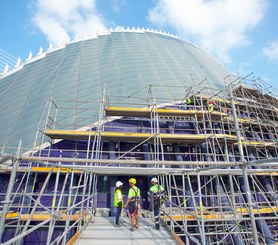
x: 242, y: 34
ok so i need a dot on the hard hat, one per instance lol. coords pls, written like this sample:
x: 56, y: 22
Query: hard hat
x: 132, y: 180
x: 119, y: 183
x: 154, y: 180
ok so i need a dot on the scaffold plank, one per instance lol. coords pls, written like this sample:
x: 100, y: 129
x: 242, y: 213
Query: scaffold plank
x: 146, y: 112
x: 258, y: 144
x: 39, y: 216
x: 221, y: 216
x: 137, y: 137
x: 10, y: 216
x: 47, y: 169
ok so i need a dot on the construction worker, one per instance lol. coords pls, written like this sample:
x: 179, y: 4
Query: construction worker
x: 188, y: 101
x: 188, y: 104
x: 210, y: 106
x: 133, y: 202
x: 229, y: 111
x: 156, y: 195
x: 118, y: 201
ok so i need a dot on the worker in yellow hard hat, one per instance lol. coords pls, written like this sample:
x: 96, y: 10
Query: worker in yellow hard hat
x: 132, y: 203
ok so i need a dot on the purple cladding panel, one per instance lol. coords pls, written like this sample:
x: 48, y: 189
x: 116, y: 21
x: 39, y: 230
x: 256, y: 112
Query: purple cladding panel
x: 116, y: 126
x: 39, y: 237
x: 8, y: 233
x: 24, y: 164
x: 102, y: 197
x: 4, y: 181
x: 46, y: 201
x: 183, y: 128
x: 102, y: 205
x: 260, y: 197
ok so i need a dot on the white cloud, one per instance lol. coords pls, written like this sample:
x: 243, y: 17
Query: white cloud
x: 217, y: 25
x: 117, y: 5
x: 59, y: 19
x: 271, y: 50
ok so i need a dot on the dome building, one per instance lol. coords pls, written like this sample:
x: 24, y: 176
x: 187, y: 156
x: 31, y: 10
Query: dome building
x: 126, y: 61
x: 136, y: 103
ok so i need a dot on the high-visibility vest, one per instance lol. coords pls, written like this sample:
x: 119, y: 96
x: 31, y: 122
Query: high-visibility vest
x: 210, y: 107
x: 118, y: 197
x: 157, y: 188
x: 134, y: 193
x: 157, y: 195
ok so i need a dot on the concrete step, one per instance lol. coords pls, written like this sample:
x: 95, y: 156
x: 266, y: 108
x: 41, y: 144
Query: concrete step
x: 102, y: 231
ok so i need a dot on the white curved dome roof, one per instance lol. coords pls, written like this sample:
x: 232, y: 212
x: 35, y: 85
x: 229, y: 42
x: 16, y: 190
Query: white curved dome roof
x: 124, y: 60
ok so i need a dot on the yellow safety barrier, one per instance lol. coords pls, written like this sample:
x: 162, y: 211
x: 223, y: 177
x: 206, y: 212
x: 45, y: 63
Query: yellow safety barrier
x: 74, y: 237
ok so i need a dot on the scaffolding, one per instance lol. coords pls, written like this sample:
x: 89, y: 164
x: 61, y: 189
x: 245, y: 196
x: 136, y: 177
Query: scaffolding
x: 215, y: 151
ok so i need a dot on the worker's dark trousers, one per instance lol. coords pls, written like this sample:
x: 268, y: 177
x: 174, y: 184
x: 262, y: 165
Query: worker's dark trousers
x: 156, y: 216
x: 119, y: 209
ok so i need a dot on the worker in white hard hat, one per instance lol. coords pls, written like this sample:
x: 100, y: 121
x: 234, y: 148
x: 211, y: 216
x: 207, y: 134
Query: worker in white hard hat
x: 118, y: 201
x: 156, y: 196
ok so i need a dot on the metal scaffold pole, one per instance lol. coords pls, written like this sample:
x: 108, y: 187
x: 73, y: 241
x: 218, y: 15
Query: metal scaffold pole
x: 202, y: 234
x: 244, y: 172
x: 9, y: 191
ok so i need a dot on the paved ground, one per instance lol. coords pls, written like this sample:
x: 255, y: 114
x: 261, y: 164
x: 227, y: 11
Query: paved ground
x: 102, y: 231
